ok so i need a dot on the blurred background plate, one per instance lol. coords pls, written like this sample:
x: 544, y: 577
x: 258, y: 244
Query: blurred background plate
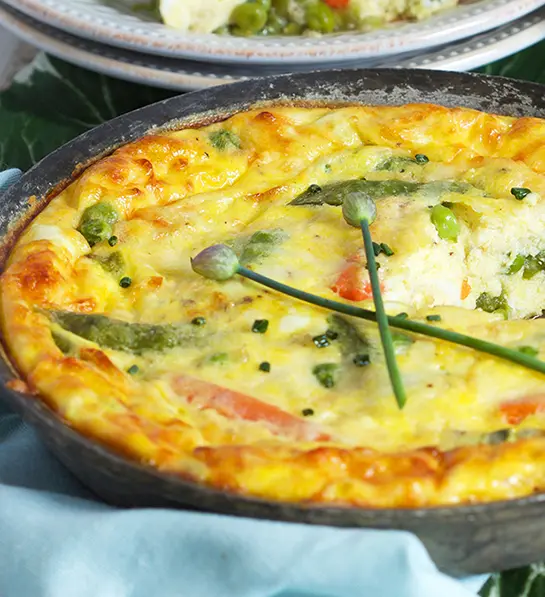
x: 185, y: 75
x: 112, y: 22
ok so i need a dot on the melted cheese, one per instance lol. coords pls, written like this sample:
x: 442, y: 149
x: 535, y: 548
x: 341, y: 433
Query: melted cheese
x: 205, y: 408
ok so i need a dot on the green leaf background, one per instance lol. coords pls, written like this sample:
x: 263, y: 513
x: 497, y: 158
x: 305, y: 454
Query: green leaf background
x: 51, y: 101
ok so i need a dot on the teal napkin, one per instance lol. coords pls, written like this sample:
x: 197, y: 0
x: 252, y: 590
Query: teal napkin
x: 56, y: 540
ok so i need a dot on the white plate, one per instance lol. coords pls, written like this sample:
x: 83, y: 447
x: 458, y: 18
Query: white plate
x: 94, y: 20
x: 183, y: 75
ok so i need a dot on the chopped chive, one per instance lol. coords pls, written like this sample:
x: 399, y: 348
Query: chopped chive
x: 377, y: 249
x: 529, y: 350
x: 402, y: 315
x: 198, y: 321
x: 125, y: 282
x: 260, y: 326
x: 321, y: 341
x: 307, y: 412
x: 332, y: 334
x: 520, y: 192
x: 421, y: 158
x: 265, y: 366
x: 433, y: 317
x: 361, y: 360
x: 386, y: 249
x: 133, y: 370
x: 112, y: 241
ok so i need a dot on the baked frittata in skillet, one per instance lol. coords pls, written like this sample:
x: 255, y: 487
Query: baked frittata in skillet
x: 239, y: 387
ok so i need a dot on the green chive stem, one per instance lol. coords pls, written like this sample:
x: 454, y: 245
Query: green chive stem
x: 382, y: 318
x: 416, y: 327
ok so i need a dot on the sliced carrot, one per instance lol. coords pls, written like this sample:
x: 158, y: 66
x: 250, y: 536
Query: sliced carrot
x: 337, y: 3
x: 352, y: 283
x: 516, y: 411
x: 235, y: 405
x: 466, y: 289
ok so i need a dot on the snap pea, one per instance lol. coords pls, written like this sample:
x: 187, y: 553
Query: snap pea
x: 352, y: 342
x: 320, y: 17
x: 491, y: 304
x: 446, y: 223
x: 97, y: 222
x: 224, y: 139
x: 63, y: 344
x: 112, y: 263
x: 395, y: 164
x: 249, y: 18
x: 260, y: 245
x: 326, y: 374
x: 136, y: 338
x: 533, y: 264
x: 516, y: 266
x: 334, y: 193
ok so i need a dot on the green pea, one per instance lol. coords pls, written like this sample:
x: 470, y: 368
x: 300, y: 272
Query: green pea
x: 97, y: 222
x: 445, y: 222
x: 281, y: 7
x: 320, y: 17
x: 275, y: 24
x: 292, y: 29
x: 250, y: 17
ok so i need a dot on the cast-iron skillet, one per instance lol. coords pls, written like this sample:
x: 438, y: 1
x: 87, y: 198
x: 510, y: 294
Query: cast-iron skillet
x: 461, y: 539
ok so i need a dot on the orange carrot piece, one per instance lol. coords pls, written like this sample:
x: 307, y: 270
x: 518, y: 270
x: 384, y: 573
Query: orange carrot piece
x: 466, y: 289
x: 515, y: 411
x: 235, y: 405
x: 352, y: 285
x: 337, y: 3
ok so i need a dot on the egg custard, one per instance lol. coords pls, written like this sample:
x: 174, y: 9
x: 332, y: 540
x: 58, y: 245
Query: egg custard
x: 238, y: 387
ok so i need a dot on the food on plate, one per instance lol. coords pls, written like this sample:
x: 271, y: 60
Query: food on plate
x: 293, y: 17
x: 123, y: 310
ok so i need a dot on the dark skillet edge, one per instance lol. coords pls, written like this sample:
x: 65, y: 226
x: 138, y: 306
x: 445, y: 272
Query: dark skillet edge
x: 461, y: 539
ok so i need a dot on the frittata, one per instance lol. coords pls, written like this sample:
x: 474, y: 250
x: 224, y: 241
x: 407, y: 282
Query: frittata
x: 239, y: 387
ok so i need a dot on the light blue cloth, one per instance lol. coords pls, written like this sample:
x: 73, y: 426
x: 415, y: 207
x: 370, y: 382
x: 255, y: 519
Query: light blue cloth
x: 57, y: 541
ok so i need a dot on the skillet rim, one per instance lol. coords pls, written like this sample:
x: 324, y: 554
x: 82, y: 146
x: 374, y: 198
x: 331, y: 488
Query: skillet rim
x: 59, y: 168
